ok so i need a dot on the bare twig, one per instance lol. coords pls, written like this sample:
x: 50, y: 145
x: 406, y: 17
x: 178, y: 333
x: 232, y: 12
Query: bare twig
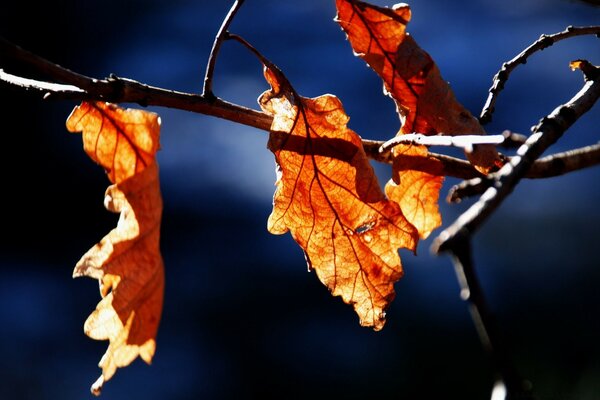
x: 512, y: 140
x: 544, y: 134
x: 463, y: 141
x: 25, y: 83
x: 563, y: 163
x: 212, y: 58
x: 489, y: 334
x: 10, y: 51
x: 452, y: 166
x: 456, y: 239
x: 549, y: 166
x: 543, y: 42
x: 123, y: 90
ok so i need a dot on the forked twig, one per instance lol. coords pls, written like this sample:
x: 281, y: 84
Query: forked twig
x: 548, y: 131
x: 456, y: 239
x: 552, y: 165
x: 122, y: 90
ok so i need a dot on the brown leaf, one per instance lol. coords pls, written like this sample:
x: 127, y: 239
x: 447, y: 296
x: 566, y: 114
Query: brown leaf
x: 328, y: 197
x: 424, y: 100
x: 127, y: 261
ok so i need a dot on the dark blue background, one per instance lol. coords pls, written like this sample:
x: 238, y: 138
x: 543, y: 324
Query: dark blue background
x: 242, y: 317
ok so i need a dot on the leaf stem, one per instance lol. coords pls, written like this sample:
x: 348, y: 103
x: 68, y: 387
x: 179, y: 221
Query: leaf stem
x: 207, y: 91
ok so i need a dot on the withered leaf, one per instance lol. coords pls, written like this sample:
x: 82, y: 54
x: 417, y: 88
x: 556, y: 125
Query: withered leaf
x: 418, y: 191
x: 127, y: 261
x: 122, y: 141
x: 424, y: 101
x: 328, y: 197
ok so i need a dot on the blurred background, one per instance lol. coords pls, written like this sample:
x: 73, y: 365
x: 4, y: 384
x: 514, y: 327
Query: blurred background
x: 242, y: 317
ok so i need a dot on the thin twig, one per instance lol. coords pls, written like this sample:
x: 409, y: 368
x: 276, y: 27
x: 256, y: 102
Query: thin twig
x: 512, y: 140
x: 489, y: 334
x: 207, y: 91
x: 543, y: 42
x: 25, y: 83
x: 549, y: 166
x: 568, y: 161
x: 548, y: 131
x: 10, y: 51
x: 466, y: 141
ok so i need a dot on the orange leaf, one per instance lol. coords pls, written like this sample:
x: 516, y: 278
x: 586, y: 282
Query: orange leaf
x: 329, y: 198
x: 123, y: 142
x: 127, y: 261
x: 424, y: 100
x: 418, y: 192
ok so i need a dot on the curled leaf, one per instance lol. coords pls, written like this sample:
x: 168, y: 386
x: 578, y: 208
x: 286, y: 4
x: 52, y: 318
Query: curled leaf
x: 328, y: 197
x: 127, y: 262
x: 424, y: 101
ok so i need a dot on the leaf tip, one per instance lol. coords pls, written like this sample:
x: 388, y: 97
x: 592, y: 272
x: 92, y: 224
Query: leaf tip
x: 590, y: 71
x: 147, y: 351
x: 96, y: 387
x: 375, y: 321
x: 576, y: 64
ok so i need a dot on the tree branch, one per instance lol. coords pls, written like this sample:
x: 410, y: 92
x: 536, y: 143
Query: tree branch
x: 507, y: 68
x: 548, y: 131
x: 122, y: 90
x: 546, y: 167
x: 456, y: 239
x: 214, y: 52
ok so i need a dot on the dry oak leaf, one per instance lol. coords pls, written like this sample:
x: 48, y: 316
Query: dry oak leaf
x: 127, y: 261
x: 122, y: 141
x: 328, y: 197
x: 417, y: 192
x: 424, y: 101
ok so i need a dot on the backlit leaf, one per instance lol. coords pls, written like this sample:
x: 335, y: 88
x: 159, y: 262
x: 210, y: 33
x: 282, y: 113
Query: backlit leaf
x: 122, y: 141
x: 127, y: 261
x: 418, y: 191
x: 328, y: 197
x: 424, y: 100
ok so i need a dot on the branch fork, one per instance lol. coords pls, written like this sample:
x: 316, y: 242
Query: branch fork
x: 456, y: 239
